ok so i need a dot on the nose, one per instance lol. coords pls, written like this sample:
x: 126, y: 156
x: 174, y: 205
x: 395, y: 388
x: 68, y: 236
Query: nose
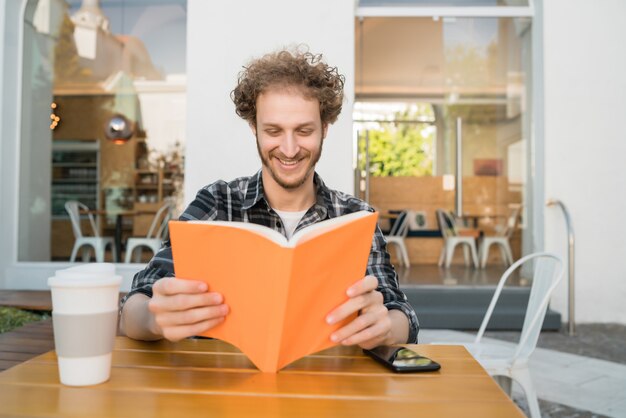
x: 289, y: 145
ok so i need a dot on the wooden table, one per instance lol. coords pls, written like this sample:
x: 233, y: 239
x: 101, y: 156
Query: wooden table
x: 475, y: 217
x: 210, y: 378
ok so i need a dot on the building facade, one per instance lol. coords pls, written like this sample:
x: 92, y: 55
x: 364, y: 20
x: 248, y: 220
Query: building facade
x: 573, y: 152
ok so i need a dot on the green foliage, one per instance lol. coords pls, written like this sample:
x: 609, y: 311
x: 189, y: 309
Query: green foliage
x: 11, y: 318
x: 399, y: 149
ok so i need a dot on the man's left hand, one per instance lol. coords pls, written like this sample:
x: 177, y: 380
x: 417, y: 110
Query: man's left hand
x: 373, y: 325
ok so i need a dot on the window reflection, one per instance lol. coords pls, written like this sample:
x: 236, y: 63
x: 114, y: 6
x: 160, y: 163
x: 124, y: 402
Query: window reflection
x: 108, y: 78
x: 416, y: 79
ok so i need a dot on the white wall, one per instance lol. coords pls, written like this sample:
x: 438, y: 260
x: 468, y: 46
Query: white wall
x: 224, y: 36
x: 585, y: 148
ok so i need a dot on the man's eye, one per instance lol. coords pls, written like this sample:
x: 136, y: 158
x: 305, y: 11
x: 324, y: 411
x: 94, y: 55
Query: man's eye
x: 305, y: 132
x: 272, y: 132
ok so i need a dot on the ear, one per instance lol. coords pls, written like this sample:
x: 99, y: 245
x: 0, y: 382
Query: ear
x: 324, y: 130
x: 253, y: 127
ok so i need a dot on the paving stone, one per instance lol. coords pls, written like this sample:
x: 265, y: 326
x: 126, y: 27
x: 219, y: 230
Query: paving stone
x: 600, y: 341
x: 577, y: 387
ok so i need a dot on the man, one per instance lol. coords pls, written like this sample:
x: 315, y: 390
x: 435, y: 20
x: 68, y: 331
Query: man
x: 288, y: 99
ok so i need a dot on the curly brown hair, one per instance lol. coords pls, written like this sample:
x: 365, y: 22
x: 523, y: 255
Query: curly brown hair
x: 297, y: 69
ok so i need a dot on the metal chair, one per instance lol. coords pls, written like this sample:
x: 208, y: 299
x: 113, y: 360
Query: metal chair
x: 396, y: 236
x: 512, y: 362
x: 451, y: 239
x: 501, y: 239
x: 154, y: 239
x: 98, y: 243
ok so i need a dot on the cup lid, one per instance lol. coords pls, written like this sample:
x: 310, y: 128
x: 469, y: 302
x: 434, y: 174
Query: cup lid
x: 92, y: 274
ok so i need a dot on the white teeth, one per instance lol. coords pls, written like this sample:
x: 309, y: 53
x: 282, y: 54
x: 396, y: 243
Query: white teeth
x: 288, y: 162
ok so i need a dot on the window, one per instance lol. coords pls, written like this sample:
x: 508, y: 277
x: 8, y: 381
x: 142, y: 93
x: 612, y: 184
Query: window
x: 103, y: 119
x: 399, y: 138
x: 444, y: 103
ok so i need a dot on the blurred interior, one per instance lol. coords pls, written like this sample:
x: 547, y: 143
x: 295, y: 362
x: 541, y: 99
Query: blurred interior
x: 415, y: 77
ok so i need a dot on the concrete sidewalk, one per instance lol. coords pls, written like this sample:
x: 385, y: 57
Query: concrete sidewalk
x: 582, y: 383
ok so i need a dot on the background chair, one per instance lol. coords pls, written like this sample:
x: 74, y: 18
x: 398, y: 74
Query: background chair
x: 512, y: 363
x: 154, y: 239
x: 98, y: 243
x: 501, y: 239
x: 451, y: 239
x: 396, y: 236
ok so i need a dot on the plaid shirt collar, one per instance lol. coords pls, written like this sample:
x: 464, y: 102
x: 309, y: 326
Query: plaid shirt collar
x: 254, y: 195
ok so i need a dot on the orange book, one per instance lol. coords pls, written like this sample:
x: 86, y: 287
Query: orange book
x: 279, y: 292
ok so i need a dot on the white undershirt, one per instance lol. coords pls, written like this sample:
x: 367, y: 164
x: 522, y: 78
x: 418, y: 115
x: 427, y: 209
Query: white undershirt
x: 290, y: 220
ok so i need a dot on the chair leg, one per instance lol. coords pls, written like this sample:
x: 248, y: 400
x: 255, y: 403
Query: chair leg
x: 113, y: 252
x: 509, y: 254
x: 449, y: 254
x: 129, y: 254
x: 484, y: 253
x: 85, y: 253
x: 99, y: 249
x: 505, y: 259
x: 74, y: 253
x: 505, y: 382
x: 522, y: 376
x: 405, y: 255
x: 474, y: 255
x: 442, y: 255
x: 398, y: 254
x: 138, y: 253
x: 466, y: 254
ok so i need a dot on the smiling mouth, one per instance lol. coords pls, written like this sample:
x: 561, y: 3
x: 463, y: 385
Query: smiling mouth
x: 288, y: 162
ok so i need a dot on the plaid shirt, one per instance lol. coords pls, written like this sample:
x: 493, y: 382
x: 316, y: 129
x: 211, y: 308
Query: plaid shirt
x: 243, y: 200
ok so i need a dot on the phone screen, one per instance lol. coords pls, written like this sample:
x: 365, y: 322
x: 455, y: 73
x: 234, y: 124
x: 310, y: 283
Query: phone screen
x: 401, y: 359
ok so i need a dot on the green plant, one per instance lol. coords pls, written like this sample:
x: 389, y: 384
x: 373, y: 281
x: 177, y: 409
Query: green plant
x: 11, y: 318
x: 399, y: 148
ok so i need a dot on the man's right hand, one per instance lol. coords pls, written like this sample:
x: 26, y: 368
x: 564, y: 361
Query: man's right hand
x: 183, y: 308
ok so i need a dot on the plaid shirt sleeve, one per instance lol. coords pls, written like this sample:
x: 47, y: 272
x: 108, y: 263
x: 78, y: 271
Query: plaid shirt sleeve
x: 379, y: 266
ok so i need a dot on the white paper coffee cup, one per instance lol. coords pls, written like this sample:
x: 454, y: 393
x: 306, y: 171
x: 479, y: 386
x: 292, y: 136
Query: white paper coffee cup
x: 84, y: 315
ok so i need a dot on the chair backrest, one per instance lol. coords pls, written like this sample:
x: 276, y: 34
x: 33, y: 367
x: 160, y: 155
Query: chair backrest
x: 73, y: 208
x: 511, y: 222
x: 400, y: 227
x: 160, y: 220
x: 446, y: 223
x: 548, y: 271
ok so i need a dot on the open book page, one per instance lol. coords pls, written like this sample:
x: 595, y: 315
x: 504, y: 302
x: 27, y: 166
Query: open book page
x: 264, y: 231
x: 320, y: 228
x: 278, y: 297
x: 302, y: 235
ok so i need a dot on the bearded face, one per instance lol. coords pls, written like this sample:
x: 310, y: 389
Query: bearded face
x: 289, y: 136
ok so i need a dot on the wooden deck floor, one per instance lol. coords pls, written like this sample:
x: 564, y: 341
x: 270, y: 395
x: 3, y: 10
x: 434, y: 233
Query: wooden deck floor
x: 25, y: 342
x: 32, y: 339
x: 34, y: 300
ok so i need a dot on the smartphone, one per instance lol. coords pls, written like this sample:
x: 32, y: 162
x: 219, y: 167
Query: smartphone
x: 402, y: 360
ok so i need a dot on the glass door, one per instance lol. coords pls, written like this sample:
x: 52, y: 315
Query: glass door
x: 444, y: 105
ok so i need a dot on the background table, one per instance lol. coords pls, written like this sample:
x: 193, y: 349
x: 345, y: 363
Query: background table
x: 210, y: 378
